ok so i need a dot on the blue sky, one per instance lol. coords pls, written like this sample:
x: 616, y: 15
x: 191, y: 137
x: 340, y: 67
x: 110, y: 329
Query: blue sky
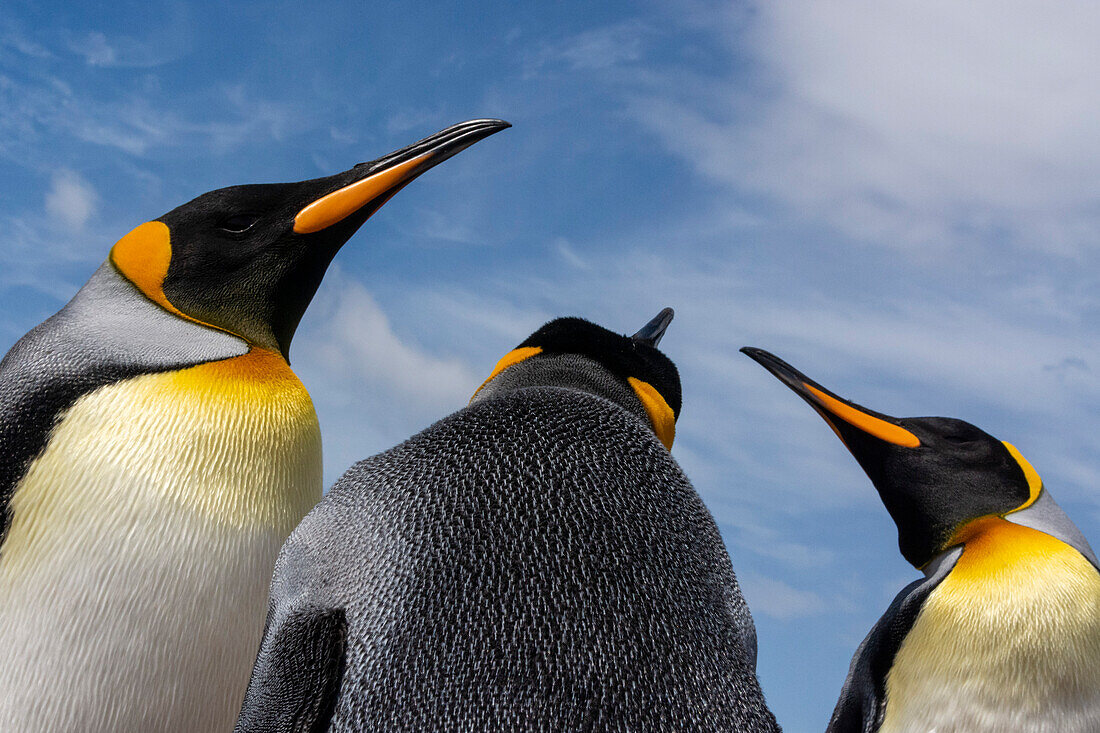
x: 898, y: 198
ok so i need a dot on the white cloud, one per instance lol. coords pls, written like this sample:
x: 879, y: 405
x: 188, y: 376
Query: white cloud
x: 449, y: 227
x: 71, y: 199
x: 568, y: 254
x: 910, y: 124
x: 165, y: 37
x: 358, y: 344
x: 43, y: 262
x: 485, y: 323
x: 95, y: 49
x: 605, y: 47
x: 38, y: 102
x: 24, y: 45
x: 372, y: 387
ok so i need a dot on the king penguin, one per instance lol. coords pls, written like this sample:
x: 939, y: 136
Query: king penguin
x: 156, y: 450
x: 1003, y: 632
x: 535, y: 561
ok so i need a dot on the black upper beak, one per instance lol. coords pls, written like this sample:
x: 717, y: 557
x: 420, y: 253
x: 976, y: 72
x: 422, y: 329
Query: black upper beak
x: 651, y: 333
x: 364, y: 188
x: 441, y: 145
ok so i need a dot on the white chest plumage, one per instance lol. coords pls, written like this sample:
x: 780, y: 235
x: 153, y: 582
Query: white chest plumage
x: 1008, y: 642
x: 133, y: 580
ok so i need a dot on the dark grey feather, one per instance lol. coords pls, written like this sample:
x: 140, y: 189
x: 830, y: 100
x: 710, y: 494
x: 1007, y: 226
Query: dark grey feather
x: 302, y: 666
x: 536, y: 561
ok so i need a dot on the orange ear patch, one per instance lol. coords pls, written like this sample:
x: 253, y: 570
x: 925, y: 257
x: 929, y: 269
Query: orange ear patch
x: 660, y: 414
x: 512, y: 357
x: 867, y: 423
x: 142, y: 256
x: 1034, y: 483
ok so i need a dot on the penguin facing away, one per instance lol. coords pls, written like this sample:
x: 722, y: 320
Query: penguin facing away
x: 156, y: 450
x: 535, y: 561
x: 1003, y: 632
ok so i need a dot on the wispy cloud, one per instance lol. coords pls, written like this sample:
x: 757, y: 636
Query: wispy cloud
x: 930, y: 125
x: 568, y: 254
x: 47, y: 258
x: 50, y: 100
x: 452, y: 227
x: 771, y: 597
x: 95, y: 49
x: 19, y: 41
x: 358, y: 344
x: 595, y: 49
x: 603, y: 47
x: 166, y: 38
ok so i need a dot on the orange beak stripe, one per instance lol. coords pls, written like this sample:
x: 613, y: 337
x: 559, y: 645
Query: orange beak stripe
x: 342, y: 203
x: 867, y: 423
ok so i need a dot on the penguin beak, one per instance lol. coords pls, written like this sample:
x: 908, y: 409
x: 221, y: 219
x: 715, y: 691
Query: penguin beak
x: 367, y: 186
x: 842, y: 415
x: 650, y: 334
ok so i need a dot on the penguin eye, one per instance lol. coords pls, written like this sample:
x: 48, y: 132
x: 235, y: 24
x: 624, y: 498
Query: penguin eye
x: 958, y: 439
x: 239, y: 223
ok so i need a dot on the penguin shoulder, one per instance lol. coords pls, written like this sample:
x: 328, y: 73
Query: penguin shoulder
x: 572, y: 408
x: 496, y: 442
x: 862, y: 704
x: 107, y: 333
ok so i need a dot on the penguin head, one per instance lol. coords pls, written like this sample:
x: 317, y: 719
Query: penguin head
x: 573, y: 352
x: 248, y: 259
x: 935, y: 475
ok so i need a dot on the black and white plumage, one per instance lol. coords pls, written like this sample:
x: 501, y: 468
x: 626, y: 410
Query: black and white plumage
x: 156, y: 450
x: 1003, y: 632
x: 535, y: 561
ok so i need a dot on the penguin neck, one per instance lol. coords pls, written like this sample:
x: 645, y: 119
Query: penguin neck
x: 942, y: 563
x: 568, y: 371
x: 1045, y: 515
x: 1009, y: 639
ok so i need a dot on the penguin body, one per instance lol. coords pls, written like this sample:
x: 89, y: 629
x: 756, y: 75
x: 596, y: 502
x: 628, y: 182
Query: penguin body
x: 535, y: 561
x: 1003, y: 632
x: 156, y: 452
x: 1009, y: 640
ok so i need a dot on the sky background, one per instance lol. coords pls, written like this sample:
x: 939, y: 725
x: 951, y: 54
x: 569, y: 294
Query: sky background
x: 901, y: 199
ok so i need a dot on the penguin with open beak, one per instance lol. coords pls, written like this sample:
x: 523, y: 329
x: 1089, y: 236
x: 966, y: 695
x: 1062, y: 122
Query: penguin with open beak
x: 1003, y: 632
x: 156, y: 450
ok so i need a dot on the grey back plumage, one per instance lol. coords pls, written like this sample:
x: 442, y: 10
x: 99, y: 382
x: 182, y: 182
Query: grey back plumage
x: 536, y: 561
